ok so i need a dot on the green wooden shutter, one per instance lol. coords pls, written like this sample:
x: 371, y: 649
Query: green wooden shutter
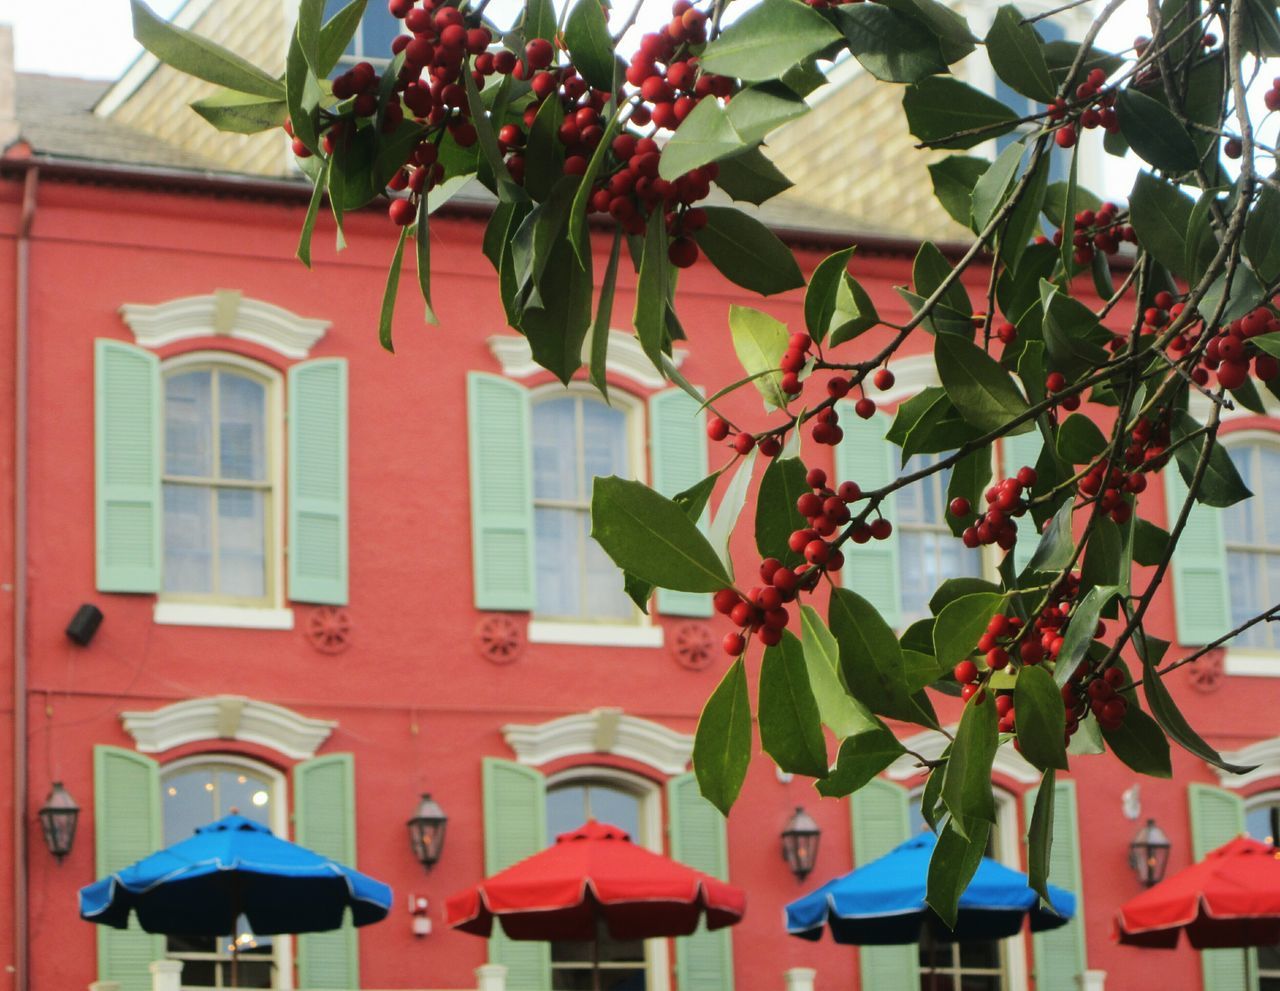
x: 704, y: 961
x: 880, y: 822
x: 1060, y: 954
x: 324, y: 820
x: 318, y: 481
x: 126, y: 827
x: 1217, y: 816
x: 865, y: 457
x: 1201, y: 606
x: 1023, y: 449
x: 678, y: 449
x: 128, y: 421
x: 501, y: 492
x: 515, y: 827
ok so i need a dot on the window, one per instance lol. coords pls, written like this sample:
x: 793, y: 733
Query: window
x: 930, y: 553
x: 1262, y: 822
x: 195, y: 793
x: 372, y: 40
x: 629, y: 804
x: 576, y: 437
x: 219, y: 484
x: 1252, y: 538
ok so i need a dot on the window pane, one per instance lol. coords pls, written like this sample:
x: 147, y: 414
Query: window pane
x: 1257, y: 823
x: 188, y: 539
x: 1237, y: 520
x: 242, y: 538
x: 604, y: 441
x: 242, y: 408
x: 606, y: 597
x: 1245, y: 573
x: 378, y: 28
x: 618, y: 808
x: 188, y: 802
x: 188, y: 425
x: 1266, y: 485
x: 983, y: 955
x: 555, y: 450
x: 566, y: 809
x: 244, y: 793
x: 559, y: 553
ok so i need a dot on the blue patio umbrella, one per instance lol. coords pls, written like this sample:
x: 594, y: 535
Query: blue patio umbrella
x: 882, y: 903
x: 231, y: 868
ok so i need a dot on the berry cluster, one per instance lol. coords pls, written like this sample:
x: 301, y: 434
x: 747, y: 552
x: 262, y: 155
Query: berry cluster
x: 1004, y: 504
x: 1054, y: 383
x: 1093, y: 107
x: 1096, y: 231
x: 826, y: 510
x: 1228, y: 353
x: 762, y: 611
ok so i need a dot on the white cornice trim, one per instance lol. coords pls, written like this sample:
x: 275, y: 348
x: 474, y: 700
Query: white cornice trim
x: 227, y: 717
x: 930, y: 745
x: 224, y: 313
x: 601, y: 731
x: 1265, y: 754
x: 625, y: 358
x: 146, y: 63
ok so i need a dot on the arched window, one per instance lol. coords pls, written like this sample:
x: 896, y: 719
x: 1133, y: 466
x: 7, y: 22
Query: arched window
x: 1262, y: 822
x: 577, y: 437
x: 1252, y: 537
x: 929, y: 552
x: 632, y: 804
x: 221, y: 420
x: 194, y: 793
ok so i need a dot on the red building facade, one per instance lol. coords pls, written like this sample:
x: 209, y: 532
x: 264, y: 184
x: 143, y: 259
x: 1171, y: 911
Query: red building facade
x: 333, y: 578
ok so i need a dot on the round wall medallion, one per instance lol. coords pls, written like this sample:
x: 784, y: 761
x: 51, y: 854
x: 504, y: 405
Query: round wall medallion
x: 500, y: 639
x: 1207, y: 672
x: 693, y: 645
x: 328, y: 629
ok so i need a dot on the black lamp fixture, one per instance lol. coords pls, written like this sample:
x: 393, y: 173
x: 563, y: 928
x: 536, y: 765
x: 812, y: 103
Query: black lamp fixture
x: 1149, y: 854
x: 800, y: 843
x: 58, y: 819
x: 426, y: 831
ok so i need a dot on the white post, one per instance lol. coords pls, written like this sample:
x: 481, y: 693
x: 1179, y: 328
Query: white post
x: 1094, y: 980
x: 166, y: 975
x: 800, y: 978
x: 105, y: 986
x: 491, y: 977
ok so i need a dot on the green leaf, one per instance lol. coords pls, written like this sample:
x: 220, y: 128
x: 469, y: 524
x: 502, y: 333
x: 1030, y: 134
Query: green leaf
x: 544, y: 158
x: 1017, y: 55
x: 1024, y: 218
x: 1056, y: 545
x: 746, y: 252
x: 1221, y: 485
x: 1040, y: 836
x: 1202, y: 242
x: 1080, y: 629
x: 604, y: 316
x: 990, y: 192
x: 1175, y: 724
x: 940, y: 108
x: 928, y: 423
x: 751, y: 178
x: 310, y: 15
x: 1151, y: 541
x: 579, y: 232
x: 776, y: 514
x: 422, y: 241
x: 768, y: 40
x: 871, y: 660
x: 586, y: 33
x: 892, y: 47
x: 487, y: 141
x: 922, y: 669
x: 1260, y: 241
x: 1073, y: 338
x: 1041, y: 718
x: 1154, y: 132
x: 928, y: 271
x: 241, y: 113
x: 820, y: 296
x: 955, y: 588
x: 757, y: 110
x: 966, y: 789
x: 303, y: 95
x: 1080, y: 440
x: 1104, y: 559
x: 539, y: 21
x: 735, y: 497
x: 389, y: 293
x: 854, y: 311
x: 693, y: 502
x: 961, y: 847
x: 952, y: 31
x: 653, y: 288
x: 981, y: 389
x: 860, y: 759
x: 335, y: 35
x: 1061, y: 56
x: 790, y: 727
x: 704, y: 136
x: 931, y: 808
x: 653, y: 538
x: 953, y: 180
x: 722, y: 742
x: 759, y: 341
x: 1245, y: 293
x: 556, y: 321
x: 1160, y: 215
x: 961, y: 623
x: 1140, y: 743
x: 196, y: 56
x: 840, y: 712
x: 313, y: 210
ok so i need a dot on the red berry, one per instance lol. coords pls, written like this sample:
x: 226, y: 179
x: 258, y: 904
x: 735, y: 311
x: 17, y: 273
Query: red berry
x: 402, y: 212
x: 538, y: 52
x: 717, y: 429
x: 683, y: 252
x: 743, y: 443
x: 883, y: 379
x: 960, y: 507
x: 734, y: 644
x: 865, y: 408
x: 966, y: 672
x: 724, y: 601
x: 881, y: 528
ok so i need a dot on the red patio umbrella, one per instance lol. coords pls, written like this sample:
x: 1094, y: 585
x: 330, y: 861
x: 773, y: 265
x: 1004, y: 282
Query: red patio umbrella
x: 595, y: 874
x: 1229, y: 899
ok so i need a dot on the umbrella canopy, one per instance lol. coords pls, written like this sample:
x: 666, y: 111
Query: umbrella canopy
x: 235, y: 867
x: 882, y: 903
x: 1231, y: 898
x: 592, y: 873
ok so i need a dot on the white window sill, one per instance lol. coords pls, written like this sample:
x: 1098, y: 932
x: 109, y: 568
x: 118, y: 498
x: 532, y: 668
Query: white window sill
x: 595, y: 634
x: 200, y: 614
x: 1252, y: 663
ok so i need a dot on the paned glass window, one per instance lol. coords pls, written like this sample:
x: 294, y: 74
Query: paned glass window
x: 1252, y: 537
x: 373, y: 37
x: 928, y: 551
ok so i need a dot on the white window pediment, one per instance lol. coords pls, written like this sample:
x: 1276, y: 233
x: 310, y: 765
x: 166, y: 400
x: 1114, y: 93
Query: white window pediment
x: 930, y: 745
x: 626, y: 358
x: 224, y: 313
x: 601, y: 731
x: 1265, y: 754
x: 227, y: 717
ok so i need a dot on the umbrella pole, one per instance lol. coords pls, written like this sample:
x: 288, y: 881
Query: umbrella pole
x: 595, y: 962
